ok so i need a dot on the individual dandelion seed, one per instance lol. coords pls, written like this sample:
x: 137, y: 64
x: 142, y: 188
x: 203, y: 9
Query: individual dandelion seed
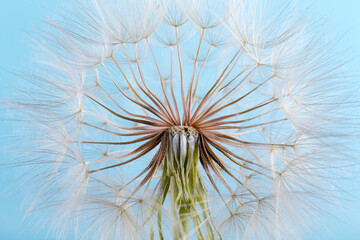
x: 182, y: 119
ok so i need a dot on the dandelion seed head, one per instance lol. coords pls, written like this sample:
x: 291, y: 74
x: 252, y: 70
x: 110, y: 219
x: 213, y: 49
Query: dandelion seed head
x: 184, y: 120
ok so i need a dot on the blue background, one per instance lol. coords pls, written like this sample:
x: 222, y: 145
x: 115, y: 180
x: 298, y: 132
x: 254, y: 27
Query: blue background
x: 17, y: 18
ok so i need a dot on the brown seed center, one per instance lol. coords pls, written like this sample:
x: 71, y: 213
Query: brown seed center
x: 184, y: 130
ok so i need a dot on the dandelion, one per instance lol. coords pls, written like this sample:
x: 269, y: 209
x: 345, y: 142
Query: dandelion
x: 184, y: 119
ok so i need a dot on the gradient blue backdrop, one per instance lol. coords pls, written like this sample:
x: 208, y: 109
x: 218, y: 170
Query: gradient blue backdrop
x: 21, y: 16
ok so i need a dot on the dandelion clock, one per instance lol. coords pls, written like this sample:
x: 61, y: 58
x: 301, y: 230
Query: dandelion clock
x: 183, y: 119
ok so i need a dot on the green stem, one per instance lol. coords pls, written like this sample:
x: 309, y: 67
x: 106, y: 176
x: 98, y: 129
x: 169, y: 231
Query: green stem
x: 188, y: 196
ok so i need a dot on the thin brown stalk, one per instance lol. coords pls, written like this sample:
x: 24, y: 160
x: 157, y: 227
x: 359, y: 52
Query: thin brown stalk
x: 155, y: 164
x: 204, y: 164
x: 141, y: 139
x: 227, y: 153
x: 198, y: 77
x: 167, y: 111
x: 240, y: 127
x: 144, y: 149
x: 148, y: 93
x: 125, y: 111
x: 162, y: 84
x: 172, y: 87
x: 181, y: 76
x: 240, y: 143
x: 218, y: 109
x: 127, y: 118
x: 130, y: 85
x: 222, y: 99
x: 126, y: 134
x: 189, y: 93
x: 217, y: 91
x: 146, y: 106
x: 219, y: 163
x: 209, y: 93
x: 217, y: 120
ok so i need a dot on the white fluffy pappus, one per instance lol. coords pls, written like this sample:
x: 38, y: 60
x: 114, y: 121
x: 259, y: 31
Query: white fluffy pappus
x: 186, y: 119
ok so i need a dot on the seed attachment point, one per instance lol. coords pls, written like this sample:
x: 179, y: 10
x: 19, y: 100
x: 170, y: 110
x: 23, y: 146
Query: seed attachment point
x: 183, y: 130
